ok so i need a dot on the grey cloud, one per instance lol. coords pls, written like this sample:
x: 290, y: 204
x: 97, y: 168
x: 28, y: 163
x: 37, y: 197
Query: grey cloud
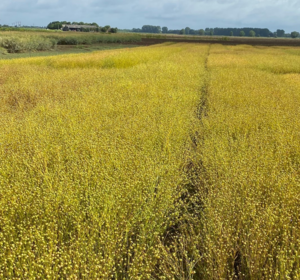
x: 272, y: 14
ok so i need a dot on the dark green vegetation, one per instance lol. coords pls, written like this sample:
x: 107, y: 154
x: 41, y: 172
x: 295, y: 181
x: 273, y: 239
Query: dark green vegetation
x: 165, y: 30
x: 247, y: 31
x: 80, y: 26
x: 65, y: 49
x: 20, y: 42
x: 295, y: 34
x: 59, y: 24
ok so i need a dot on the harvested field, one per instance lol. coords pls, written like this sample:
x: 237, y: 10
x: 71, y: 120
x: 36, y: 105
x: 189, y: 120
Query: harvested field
x: 225, y: 41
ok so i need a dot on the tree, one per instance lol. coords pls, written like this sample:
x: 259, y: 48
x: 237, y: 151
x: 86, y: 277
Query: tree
x: 182, y: 31
x: 105, y: 28
x: 138, y: 30
x: 187, y: 30
x: 165, y: 29
x: 251, y: 33
x: 231, y: 33
x: 55, y: 25
x: 151, y: 29
x: 242, y: 33
x: 114, y: 30
x: 280, y: 32
x: 59, y: 24
x: 294, y: 34
x: 193, y: 32
x: 209, y: 31
x: 236, y: 31
x: 201, y: 32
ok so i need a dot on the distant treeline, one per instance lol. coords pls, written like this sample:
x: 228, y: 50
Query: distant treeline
x: 164, y: 30
x: 247, y: 31
x: 264, y: 32
x: 59, y: 24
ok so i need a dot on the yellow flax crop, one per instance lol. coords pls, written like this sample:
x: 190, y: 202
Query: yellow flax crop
x: 175, y: 161
x: 93, y: 150
x: 249, y: 152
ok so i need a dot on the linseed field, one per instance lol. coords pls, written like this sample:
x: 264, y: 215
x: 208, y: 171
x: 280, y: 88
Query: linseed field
x: 174, y: 161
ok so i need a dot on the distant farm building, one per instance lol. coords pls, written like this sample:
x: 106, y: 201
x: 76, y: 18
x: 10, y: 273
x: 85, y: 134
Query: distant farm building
x: 77, y: 27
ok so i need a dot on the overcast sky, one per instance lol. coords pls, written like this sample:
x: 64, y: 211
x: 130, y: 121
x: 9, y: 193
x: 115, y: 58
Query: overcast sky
x: 175, y: 14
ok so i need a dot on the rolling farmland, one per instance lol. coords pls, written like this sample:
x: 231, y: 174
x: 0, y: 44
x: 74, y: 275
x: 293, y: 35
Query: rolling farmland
x: 174, y: 161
